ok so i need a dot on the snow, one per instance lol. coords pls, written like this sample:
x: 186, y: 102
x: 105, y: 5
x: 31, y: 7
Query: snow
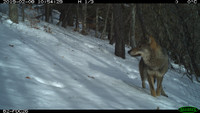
x: 66, y: 70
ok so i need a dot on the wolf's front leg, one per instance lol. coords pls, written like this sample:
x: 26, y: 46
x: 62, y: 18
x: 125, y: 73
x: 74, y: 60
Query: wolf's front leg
x: 159, y: 85
x: 151, y: 85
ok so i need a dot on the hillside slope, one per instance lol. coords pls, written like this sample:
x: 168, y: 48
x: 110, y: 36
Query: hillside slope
x: 66, y: 70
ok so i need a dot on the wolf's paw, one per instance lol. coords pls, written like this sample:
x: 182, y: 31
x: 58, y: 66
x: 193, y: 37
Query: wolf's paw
x: 143, y: 85
x: 157, y: 92
x: 153, y: 93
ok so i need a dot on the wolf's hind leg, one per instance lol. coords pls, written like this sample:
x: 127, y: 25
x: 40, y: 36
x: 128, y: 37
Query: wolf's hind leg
x: 163, y: 93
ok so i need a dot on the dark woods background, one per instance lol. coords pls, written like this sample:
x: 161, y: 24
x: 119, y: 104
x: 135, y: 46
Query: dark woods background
x: 175, y: 26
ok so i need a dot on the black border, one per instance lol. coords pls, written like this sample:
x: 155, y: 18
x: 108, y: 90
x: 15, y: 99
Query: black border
x: 125, y: 1
x: 109, y: 1
x: 88, y: 111
x: 103, y: 111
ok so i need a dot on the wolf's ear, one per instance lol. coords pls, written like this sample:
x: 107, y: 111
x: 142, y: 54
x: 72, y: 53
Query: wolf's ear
x: 153, y: 43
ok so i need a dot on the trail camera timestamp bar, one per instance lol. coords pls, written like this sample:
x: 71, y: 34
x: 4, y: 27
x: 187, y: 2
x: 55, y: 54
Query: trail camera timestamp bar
x: 15, y: 111
x: 135, y: 1
x: 97, y: 1
x: 33, y: 1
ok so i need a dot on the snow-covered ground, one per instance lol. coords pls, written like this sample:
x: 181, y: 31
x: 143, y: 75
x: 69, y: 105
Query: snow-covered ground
x: 66, y: 70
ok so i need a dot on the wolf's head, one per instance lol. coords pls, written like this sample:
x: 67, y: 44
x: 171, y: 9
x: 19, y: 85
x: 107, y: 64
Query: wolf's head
x: 141, y: 50
x: 144, y: 49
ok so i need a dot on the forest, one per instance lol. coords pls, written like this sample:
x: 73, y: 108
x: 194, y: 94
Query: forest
x: 175, y: 26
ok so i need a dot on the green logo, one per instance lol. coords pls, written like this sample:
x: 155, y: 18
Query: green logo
x: 188, y: 109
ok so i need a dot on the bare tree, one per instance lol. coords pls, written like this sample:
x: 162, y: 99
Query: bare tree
x: 13, y: 13
x: 23, y: 12
x: 70, y: 15
x: 77, y: 19
x: 141, y: 20
x: 47, y: 12
x: 119, y: 30
x: 84, y: 8
x: 65, y: 14
x: 97, y: 22
x: 105, y: 24
x: 110, y: 36
x: 132, y: 32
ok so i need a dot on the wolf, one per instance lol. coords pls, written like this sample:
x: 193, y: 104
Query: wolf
x: 153, y: 64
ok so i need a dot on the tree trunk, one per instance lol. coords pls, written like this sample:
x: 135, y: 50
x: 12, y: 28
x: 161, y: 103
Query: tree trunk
x: 77, y: 18
x: 84, y: 8
x: 23, y: 12
x: 64, y: 22
x: 105, y: 24
x: 70, y: 19
x: 132, y: 32
x: 47, y: 10
x: 112, y: 40
x: 13, y: 13
x: 139, y: 14
x: 97, y: 22
x: 119, y: 31
x: 65, y: 16
x: 50, y: 13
